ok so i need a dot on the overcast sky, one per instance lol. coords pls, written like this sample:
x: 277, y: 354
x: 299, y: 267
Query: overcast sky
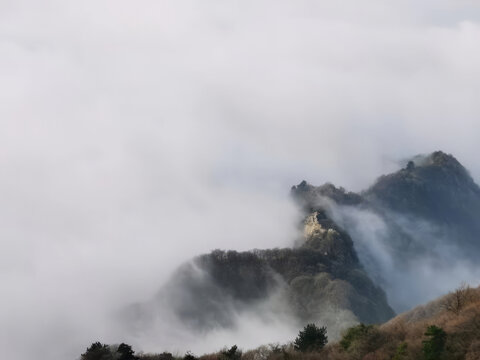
x: 136, y: 134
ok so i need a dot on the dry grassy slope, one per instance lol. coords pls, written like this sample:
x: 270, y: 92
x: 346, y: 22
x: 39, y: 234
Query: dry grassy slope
x: 458, y: 313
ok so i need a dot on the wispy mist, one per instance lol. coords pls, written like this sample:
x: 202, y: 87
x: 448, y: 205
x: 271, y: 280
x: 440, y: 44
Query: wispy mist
x: 412, y: 273
x: 136, y: 135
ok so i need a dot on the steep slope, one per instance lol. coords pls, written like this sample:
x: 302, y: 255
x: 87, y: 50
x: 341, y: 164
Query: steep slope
x: 435, y: 189
x: 438, y: 189
x: 410, y: 227
x: 457, y: 313
x: 319, y: 280
x: 312, y: 283
x: 447, y: 328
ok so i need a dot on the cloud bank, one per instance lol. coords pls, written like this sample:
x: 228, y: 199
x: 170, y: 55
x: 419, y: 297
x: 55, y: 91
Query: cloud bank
x: 135, y: 135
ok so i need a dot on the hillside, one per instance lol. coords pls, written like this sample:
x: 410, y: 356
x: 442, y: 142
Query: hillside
x: 447, y: 328
x: 403, y: 337
x: 357, y: 256
x: 321, y: 279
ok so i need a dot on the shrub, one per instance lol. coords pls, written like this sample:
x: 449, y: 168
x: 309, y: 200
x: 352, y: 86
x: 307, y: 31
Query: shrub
x: 355, y: 333
x: 434, y: 346
x: 162, y: 356
x: 165, y: 356
x: 311, y: 338
x: 361, y: 340
x: 189, y: 356
x: 232, y: 354
x: 401, y: 351
x: 125, y: 352
x: 97, y: 351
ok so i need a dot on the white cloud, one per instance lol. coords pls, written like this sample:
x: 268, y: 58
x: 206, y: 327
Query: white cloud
x: 137, y: 134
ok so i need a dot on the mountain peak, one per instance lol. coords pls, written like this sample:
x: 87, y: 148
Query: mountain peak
x: 437, y: 159
x: 440, y: 158
x: 310, y: 197
x: 435, y: 187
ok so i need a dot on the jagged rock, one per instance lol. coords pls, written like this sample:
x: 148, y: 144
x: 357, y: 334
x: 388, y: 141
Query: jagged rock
x: 311, y: 197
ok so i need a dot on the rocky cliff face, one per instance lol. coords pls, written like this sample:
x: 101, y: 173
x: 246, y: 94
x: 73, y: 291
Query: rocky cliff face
x: 327, y: 277
x: 416, y: 231
x: 320, y: 279
x: 310, y: 282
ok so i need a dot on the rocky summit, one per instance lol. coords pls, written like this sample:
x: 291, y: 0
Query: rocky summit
x: 439, y: 190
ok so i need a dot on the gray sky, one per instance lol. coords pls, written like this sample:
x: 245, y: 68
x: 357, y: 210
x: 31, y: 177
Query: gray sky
x: 135, y: 135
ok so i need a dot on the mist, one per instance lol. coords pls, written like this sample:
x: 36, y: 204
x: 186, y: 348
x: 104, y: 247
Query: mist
x: 169, y: 321
x: 137, y: 135
x: 431, y: 266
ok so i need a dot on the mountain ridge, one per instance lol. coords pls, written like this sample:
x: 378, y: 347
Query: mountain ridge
x: 331, y: 268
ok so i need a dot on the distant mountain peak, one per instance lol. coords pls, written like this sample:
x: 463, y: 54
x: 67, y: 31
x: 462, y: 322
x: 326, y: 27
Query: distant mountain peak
x: 310, y: 197
x: 427, y: 181
x: 438, y: 159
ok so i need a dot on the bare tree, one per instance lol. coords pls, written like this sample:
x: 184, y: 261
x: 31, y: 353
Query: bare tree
x: 456, y: 300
